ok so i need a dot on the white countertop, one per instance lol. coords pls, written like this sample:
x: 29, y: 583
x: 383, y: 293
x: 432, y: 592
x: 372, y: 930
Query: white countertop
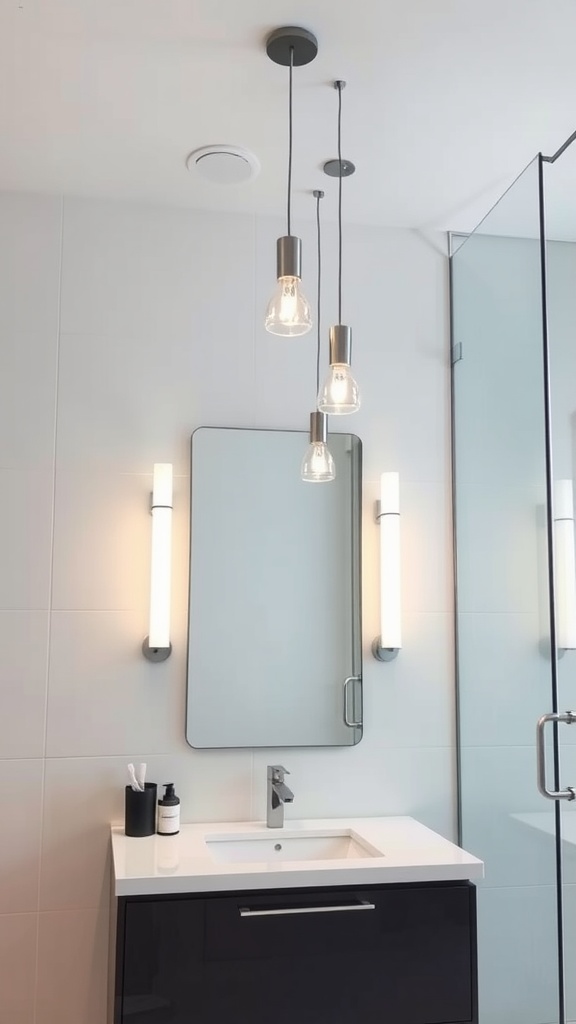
x: 183, y: 863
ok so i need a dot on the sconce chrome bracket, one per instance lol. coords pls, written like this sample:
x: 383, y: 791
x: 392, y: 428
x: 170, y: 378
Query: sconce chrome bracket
x: 155, y: 653
x: 383, y: 653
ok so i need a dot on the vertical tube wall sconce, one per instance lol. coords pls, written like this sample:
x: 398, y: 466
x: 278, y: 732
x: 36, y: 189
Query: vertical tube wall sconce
x: 386, y: 646
x: 157, y: 646
x: 564, y: 565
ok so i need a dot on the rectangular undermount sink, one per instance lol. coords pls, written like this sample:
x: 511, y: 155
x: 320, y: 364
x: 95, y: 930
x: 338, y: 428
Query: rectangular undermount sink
x: 280, y: 845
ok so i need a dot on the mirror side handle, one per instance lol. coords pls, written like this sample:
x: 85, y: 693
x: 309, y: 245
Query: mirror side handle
x: 347, y: 720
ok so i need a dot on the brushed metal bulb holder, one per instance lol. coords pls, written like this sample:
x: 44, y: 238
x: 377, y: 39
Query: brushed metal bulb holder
x: 340, y: 344
x: 289, y: 256
x: 318, y: 427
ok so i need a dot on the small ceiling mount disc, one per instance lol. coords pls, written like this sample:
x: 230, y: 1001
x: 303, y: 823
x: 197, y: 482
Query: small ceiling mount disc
x: 332, y: 167
x: 282, y: 41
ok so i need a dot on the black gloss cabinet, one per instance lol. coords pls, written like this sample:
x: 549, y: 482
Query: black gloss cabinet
x: 390, y: 954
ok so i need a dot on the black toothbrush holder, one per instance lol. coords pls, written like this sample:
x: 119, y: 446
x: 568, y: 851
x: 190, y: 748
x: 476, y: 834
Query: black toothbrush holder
x: 140, y: 811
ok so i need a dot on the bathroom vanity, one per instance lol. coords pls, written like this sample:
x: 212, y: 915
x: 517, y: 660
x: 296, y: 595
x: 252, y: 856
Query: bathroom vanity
x: 324, y: 922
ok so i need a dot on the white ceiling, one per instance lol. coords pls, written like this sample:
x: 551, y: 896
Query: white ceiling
x: 446, y: 101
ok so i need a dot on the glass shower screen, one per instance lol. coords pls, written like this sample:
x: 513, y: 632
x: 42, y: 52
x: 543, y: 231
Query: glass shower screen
x: 505, y: 663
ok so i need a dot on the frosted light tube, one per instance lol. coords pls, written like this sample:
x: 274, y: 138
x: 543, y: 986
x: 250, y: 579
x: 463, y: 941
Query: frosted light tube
x: 387, y: 645
x: 157, y: 645
x: 564, y: 565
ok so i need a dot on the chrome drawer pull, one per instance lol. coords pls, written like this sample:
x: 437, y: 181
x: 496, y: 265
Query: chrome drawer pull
x: 362, y: 905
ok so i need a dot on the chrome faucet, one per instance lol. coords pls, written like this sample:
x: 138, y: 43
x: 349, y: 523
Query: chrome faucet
x: 277, y: 795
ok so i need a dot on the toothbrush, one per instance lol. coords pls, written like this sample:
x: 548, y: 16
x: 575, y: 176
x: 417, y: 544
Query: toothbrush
x: 141, y: 776
x: 133, y: 780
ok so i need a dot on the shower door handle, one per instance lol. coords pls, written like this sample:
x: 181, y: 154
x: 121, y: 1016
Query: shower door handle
x: 568, y: 717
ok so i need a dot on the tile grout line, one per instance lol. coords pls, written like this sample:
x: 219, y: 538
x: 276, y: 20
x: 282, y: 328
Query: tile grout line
x: 50, y: 592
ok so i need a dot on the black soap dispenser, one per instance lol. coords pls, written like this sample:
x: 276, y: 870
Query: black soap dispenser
x: 168, y: 812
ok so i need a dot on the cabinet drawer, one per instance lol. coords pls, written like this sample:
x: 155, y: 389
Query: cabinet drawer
x: 400, y: 954
x: 255, y: 927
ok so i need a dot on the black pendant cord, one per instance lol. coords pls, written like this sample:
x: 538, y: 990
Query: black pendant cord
x: 340, y: 202
x: 290, y: 142
x: 319, y: 196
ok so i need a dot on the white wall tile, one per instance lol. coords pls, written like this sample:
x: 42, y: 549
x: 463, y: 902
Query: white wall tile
x: 21, y: 812
x: 23, y: 675
x: 285, y: 384
x: 499, y: 783
x: 157, y: 315
x: 162, y: 331
x: 368, y: 779
x: 102, y: 528
x: 566, y: 690
x: 30, y: 242
x: 25, y: 539
x: 517, y: 955
x: 499, y: 399
x: 17, y: 967
x: 102, y: 536
x: 126, y: 401
x: 72, y: 967
x: 569, y: 895
x: 560, y: 307
x: 568, y: 817
x: 144, y: 271
x: 504, y: 678
x: 501, y: 539
x: 426, y: 539
x: 410, y: 700
x: 213, y: 785
x: 400, y: 361
x: 84, y: 795
x: 105, y: 698
x: 28, y: 400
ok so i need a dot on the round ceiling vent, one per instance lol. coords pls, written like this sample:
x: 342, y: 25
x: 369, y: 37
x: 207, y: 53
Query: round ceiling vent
x: 224, y: 165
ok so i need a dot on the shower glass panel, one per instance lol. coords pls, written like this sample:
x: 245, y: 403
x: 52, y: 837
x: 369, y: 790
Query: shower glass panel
x: 505, y: 672
x: 560, y: 208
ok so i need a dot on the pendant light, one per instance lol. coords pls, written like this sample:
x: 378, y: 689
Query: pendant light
x: 339, y: 395
x: 318, y: 464
x: 289, y: 313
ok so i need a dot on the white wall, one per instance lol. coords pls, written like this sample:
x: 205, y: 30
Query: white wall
x: 123, y: 328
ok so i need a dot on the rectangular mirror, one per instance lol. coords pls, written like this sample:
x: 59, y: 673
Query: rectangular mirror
x: 274, y: 641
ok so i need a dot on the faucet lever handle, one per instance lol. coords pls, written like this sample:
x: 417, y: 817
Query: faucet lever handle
x: 276, y: 772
